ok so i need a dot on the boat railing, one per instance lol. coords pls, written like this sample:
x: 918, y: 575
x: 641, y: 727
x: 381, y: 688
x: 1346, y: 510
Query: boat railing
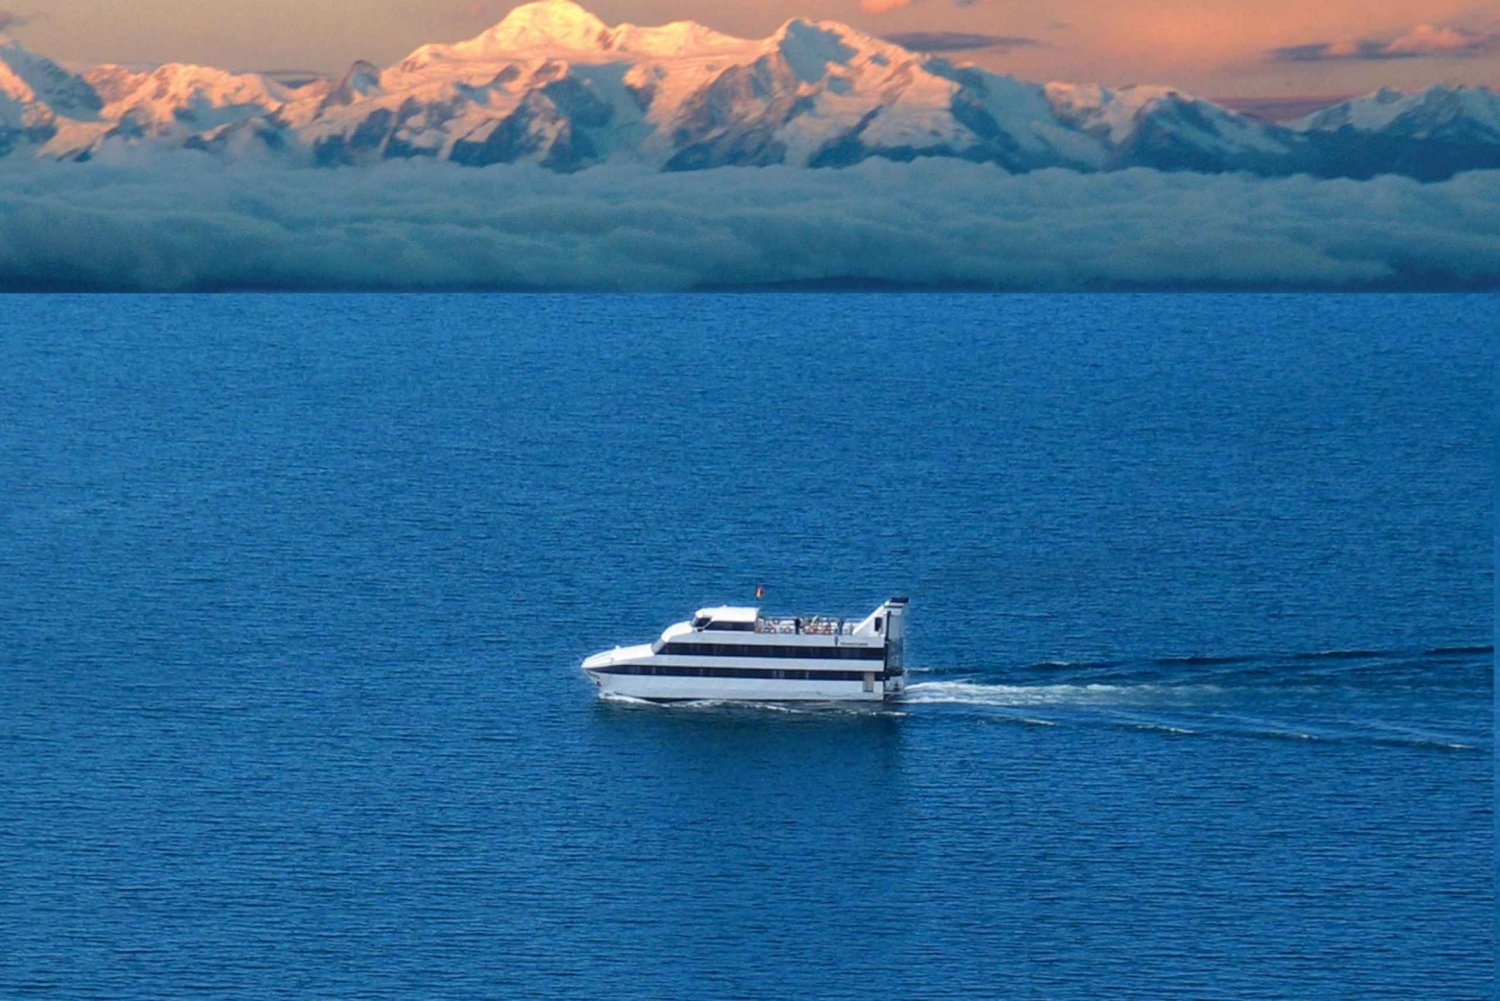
x: 813, y: 625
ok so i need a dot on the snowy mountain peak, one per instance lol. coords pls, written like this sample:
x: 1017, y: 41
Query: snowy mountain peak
x: 809, y: 46
x: 553, y: 85
x: 27, y: 78
x: 1454, y: 114
x: 833, y: 40
x: 546, y: 24
x: 183, y: 92
x: 562, y: 27
x: 1109, y: 112
x: 362, y: 80
x: 675, y: 39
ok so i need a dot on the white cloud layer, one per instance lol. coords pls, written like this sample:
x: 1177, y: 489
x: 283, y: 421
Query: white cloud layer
x: 1421, y: 40
x: 188, y: 221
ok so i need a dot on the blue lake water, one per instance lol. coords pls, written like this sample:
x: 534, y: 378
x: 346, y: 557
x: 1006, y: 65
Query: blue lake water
x: 293, y: 590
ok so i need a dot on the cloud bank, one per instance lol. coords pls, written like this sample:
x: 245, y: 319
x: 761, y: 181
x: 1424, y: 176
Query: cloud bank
x: 886, y: 6
x: 186, y: 221
x: 959, y: 41
x: 1422, y: 40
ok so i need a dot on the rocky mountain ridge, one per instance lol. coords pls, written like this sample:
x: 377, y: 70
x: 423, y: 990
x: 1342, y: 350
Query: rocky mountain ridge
x: 552, y: 84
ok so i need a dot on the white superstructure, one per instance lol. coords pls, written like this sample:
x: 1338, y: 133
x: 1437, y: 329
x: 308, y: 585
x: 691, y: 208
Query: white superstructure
x: 734, y: 652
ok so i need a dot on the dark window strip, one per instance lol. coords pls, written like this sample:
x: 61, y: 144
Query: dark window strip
x: 758, y: 650
x: 698, y: 671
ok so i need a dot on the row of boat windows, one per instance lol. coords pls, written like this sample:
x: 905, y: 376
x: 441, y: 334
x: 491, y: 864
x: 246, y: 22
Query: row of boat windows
x: 759, y: 650
x: 674, y: 671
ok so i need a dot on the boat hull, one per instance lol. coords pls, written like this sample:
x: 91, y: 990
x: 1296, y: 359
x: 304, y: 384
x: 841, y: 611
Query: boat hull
x: 679, y: 689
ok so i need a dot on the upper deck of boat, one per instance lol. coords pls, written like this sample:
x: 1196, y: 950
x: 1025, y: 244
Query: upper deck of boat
x: 815, y: 625
x: 732, y: 618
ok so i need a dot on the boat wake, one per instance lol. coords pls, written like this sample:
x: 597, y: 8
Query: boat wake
x: 1351, y: 696
x: 984, y: 693
x: 1362, y: 667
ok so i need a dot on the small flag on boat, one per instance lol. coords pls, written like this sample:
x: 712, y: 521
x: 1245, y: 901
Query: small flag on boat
x: 760, y: 590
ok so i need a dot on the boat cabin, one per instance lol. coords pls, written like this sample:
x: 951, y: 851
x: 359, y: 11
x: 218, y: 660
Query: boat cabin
x: 726, y: 618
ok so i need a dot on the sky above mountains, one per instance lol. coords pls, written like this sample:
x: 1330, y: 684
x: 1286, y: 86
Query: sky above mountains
x: 1259, y: 48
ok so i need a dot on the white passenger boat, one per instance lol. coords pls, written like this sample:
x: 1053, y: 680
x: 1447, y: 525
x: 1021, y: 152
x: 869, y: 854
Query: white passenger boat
x: 733, y: 652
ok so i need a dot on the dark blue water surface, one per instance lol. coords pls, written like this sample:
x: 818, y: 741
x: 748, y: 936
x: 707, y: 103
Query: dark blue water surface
x: 293, y: 592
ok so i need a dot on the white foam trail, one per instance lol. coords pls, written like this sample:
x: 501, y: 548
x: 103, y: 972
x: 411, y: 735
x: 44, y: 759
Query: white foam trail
x: 1384, y: 732
x: 626, y: 700
x: 1164, y: 728
x: 699, y: 705
x: 975, y: 693
x: 1021, y: 720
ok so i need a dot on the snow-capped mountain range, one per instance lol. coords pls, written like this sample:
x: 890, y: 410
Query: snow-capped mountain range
x: 552, y: 84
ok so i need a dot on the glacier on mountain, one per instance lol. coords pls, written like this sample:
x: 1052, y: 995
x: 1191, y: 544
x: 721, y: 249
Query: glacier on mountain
x: 552, y: 84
